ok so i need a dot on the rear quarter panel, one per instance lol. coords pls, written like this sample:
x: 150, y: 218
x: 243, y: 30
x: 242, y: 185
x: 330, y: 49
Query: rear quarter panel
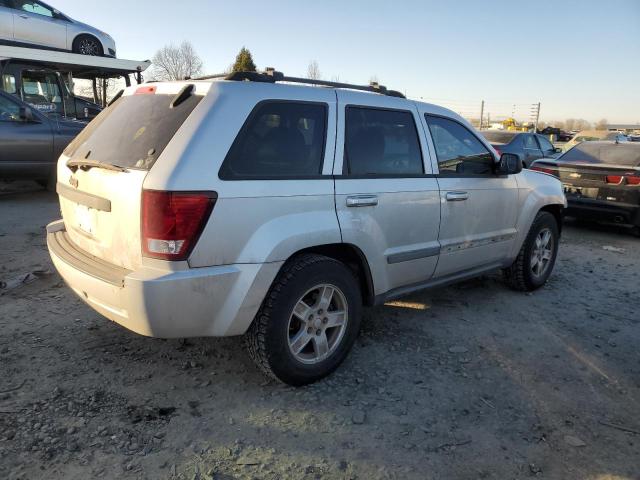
x: 253, y: 221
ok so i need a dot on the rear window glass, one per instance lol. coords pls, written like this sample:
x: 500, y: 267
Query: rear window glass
x: 627, y: 155
x: 279, y: 140
x: 133, y: 132
x: 498, y: 137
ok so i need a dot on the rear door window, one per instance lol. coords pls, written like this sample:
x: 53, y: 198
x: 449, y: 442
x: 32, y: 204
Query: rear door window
x: 279, y: 140
x: 133, y: 132
x: 530, y: 142
x: 381, y: 142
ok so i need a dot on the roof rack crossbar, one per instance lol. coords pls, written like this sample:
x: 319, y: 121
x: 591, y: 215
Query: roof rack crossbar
x: 272, y: 76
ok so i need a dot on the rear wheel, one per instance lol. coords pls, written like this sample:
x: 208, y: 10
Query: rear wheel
x: 88, y: 45
x: 537, y: 257
x: 308, y: 321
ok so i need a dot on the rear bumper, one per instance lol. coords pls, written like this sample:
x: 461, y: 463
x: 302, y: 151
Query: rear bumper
x: 199, y: 302
x: 603, y: 211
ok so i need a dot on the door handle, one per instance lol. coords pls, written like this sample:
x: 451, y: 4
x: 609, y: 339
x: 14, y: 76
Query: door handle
x: 22, y: 15
x: 362, y: 201
x: 457, y: 196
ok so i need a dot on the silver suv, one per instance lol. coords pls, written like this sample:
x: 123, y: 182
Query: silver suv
x: 277, y: 211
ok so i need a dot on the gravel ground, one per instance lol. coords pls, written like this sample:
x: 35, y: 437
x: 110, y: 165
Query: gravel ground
x: 472, y: 381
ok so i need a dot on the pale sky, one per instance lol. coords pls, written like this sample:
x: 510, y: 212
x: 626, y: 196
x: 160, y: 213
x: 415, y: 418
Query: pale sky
x: 580, y: 59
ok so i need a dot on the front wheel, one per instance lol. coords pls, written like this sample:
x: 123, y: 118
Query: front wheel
x: 87, y: 45
x: 308, y: 321
x: 537, y: 257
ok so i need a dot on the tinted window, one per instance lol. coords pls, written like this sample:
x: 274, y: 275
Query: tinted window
x: 498, y: 136
x: 132, y: 132
x: 33, y: 7
x: 381, y: 142
x: 530, y: 142
x: 459, y: 151
x: 9, y: 111
x: 545, y: 144
x: 627, y: 154
x: 279, y: 140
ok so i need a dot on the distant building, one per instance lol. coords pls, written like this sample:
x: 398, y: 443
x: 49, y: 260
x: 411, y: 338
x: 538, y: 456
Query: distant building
x: 623, y: 127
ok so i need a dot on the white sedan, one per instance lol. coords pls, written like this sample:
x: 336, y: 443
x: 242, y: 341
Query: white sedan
x: 36, y: 24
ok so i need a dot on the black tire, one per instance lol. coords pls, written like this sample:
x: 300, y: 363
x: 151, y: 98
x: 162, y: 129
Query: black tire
x: 268, y: 337
x: 88, y: 45
x: 521, y: 276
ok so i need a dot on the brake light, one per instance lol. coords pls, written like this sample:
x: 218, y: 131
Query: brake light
x: 147, y: 90
x: 173, y: 221
x: 550, y: 171
x: 616, y: 179
x: 633, y: 180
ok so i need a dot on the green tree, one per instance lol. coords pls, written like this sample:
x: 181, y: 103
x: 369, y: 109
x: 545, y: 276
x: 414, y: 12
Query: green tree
x: 244, y: 62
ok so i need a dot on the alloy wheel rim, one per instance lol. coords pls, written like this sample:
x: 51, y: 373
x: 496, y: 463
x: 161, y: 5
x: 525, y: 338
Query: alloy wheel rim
x: 89, y: 47
x: 317, y: 324
x: 542, y: 252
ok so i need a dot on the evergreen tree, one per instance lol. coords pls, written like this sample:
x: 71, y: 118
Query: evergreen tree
x: 244, y: 62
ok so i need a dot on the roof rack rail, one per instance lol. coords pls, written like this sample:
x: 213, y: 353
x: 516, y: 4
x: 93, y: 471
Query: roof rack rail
x: 270, y: 75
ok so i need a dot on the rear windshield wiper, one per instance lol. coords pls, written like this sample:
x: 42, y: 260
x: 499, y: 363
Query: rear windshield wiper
x: 74, y: 165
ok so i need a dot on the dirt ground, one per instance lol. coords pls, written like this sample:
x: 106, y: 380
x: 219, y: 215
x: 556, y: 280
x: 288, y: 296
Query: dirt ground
x: 472, y: 381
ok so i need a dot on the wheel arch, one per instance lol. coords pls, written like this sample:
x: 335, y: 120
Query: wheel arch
x: 353, y: 258
x: 558, y: 212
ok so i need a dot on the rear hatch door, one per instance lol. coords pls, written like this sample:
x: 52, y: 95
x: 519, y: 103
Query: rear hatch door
x: 101, y: 173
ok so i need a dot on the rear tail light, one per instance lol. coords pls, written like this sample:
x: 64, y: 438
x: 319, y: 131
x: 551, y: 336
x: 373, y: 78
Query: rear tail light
x: 550, y: 171
x: 616, y: 179
x: 633, y: 180
x: 173, y: 221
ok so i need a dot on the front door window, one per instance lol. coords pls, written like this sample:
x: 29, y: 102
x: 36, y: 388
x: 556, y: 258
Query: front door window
x: 41, y: 90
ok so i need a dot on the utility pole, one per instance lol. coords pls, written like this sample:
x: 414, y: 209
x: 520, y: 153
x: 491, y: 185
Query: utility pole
x: 481, y: 113
x: 535, y: 112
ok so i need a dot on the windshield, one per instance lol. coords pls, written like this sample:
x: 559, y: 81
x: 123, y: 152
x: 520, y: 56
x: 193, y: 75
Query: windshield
x: 498, y: 137
x: 627, y: 155
x: 133, y: 132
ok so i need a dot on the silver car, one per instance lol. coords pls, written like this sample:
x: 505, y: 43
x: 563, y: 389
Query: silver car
x: 277, y: 211
x: 36, y: 24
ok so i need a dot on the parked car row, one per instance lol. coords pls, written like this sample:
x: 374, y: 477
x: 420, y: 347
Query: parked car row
x: 594, y: 136
x: 528, y: 147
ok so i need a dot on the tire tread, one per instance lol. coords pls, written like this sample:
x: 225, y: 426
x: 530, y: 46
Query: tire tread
x: 255, y: 338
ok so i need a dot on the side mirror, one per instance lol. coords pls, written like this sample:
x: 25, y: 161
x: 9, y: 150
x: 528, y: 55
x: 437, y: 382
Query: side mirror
x: 509, y: 164
x: 26, y: 114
